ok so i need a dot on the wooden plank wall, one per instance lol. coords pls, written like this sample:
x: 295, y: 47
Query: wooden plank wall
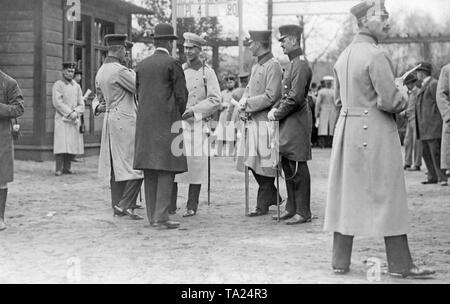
x: 17, y: 52
x: 53, y: 27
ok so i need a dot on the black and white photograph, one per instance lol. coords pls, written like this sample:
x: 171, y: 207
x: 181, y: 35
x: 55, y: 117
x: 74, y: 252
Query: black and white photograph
x: 213, y: 143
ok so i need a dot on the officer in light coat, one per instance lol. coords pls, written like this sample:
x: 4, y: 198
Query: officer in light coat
x: 262, y: 92
x: 326, y: 113
x: 443, y: 102
x: 203, y: 102
x: 116, y: 85
x: 367, y: 193
x: 11, y: 106
x: 69, y: 106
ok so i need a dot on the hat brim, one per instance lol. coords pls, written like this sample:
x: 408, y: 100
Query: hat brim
x: 282, y: 38
x: 165, y: 37
x: 191, y: 45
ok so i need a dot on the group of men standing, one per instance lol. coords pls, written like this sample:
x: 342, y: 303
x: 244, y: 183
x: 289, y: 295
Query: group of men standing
x: 427, y: 131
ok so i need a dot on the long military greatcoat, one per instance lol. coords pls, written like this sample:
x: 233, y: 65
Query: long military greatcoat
x: 366, y: 192
x: 195, y: 129
x: 262, y: 92
x: 11, y: 106
x: 293, y: 111
x: 116, y: 85
x: 162, y: 97
x: 326, y: 112
x: 443, y: 101
x: 67, y: 97
x: 428, y: 117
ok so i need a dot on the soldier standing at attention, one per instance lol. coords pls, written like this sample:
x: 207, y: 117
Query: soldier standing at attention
x: 203, y: 101
x: 367, y: 193
x: 69, y: 107
x: 262, y: 92
x: 11, y: 106
x: 294, y: 115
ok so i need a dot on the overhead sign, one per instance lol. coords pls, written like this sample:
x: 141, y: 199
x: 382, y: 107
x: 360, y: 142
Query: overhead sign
x: 74, y: 11
x: 206, y: 8
x: 312, y: 7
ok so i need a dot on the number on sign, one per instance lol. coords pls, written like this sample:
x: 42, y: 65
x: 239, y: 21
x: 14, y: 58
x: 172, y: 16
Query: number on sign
x: 232, y: 9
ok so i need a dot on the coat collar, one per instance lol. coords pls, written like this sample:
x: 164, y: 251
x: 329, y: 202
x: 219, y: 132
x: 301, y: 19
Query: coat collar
x: 295, y: 53
x: 162, y: 50
x: 365, y: 37
x: 195, y: 65
x: 265, y: 57
x: 111, y: 59
x: 425, y: 85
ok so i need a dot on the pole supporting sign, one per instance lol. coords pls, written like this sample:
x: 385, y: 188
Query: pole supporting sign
x: 206, y: 8
x: 73, y: 13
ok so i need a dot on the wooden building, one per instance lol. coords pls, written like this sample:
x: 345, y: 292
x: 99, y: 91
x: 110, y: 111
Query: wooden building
x: 35, y: 38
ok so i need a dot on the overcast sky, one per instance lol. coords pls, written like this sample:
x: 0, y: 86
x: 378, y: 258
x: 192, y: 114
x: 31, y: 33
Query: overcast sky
x: 255, y: 17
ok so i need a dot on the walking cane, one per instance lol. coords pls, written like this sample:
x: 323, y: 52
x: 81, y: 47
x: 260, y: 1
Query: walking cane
x: 247, y: 173
x: 208, y: 134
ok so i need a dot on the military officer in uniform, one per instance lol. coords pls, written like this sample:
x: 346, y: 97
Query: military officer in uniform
x: 326, y: 113
x: 429, y: 125
x: 367, y: 193
x: 11, y: 106
x: 69, y: 107
x: 295, y: 119
x: 115, y: 86
x: 262, y: 92
x: 203, y: 101
x: 443, y: 102
x: 413, y: 146
x: 162, y: 99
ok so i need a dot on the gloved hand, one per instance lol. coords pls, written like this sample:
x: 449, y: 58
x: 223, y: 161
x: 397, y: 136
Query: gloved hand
x: 271, y: 115
x: 73, y: 116
x: 243, y: 104
x: 188, y: 114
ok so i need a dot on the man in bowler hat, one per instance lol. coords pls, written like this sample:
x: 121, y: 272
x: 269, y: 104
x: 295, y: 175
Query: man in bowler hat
x: 162, y: 98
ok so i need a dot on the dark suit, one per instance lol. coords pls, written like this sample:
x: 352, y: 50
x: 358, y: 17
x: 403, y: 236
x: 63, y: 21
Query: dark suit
x: 162, y: 95
x: 294, y: 114
x: 429, y: 130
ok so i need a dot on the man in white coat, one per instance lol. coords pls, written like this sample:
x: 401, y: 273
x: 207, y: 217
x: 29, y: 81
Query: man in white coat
x: 203, y: 101
x: 69, y: 106
x: 115, y: 86
x: 367, y: 192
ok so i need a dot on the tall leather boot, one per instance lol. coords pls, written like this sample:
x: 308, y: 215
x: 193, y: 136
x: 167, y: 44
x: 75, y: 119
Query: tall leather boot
x: 3, y: 196
x: 342, y: 253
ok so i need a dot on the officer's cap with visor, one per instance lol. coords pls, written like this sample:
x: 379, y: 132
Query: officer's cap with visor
x: 369, y: 9
x: 116, y: 40
x: 193, y: 40
x: 69, y: 65
x: 290, y: 30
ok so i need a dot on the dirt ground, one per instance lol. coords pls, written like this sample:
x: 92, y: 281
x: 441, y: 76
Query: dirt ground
x: 55, y: 222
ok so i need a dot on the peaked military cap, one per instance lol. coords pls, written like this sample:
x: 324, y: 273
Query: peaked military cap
x: 290, y: 30
x: 366, y: 7
x: 193, y: 40
x: 260, y: 36
x: 411, y: 78
x: 115, y: 39
x: 69, y: 65
x: 164, y: 31
x: 425, y: 67
x: 244, y: 75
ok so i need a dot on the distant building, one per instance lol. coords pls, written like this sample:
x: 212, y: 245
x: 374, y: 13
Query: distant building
x: 35, y: 38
